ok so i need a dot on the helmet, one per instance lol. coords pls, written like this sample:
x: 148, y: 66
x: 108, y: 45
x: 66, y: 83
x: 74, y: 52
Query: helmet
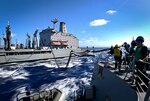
x: 128, y: 45
x: 133, y: 42
x: 116, y: 46
x: 140, y: 38
x: 125, y: 43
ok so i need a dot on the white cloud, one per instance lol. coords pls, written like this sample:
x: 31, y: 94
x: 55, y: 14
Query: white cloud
x: 111, y: 12
x: 99, y: 22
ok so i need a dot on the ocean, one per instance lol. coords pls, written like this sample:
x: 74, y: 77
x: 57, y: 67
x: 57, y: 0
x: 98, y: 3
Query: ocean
x: 46, y: 74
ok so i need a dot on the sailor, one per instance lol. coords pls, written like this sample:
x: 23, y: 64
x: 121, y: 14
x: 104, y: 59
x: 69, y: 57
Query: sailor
x: 141, y: 52
x: 126, y: 49
x: 117, y: 56
x: 133, y: 44
x: 129, y: 55
x: 126, y: 46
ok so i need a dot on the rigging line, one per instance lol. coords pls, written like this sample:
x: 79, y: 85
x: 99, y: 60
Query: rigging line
x: 54, y: 57
x: 7, y: 60
x: 19, y: 59
x: 71, y: 53
x: 69, y: 59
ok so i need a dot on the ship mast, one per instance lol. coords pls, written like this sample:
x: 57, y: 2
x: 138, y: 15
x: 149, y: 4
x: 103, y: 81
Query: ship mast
x: 54, y: 21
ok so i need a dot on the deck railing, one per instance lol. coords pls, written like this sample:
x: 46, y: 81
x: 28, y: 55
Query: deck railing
x: 141, y: 80
x: 138, y: 83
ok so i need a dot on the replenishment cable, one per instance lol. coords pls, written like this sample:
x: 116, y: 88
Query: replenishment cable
x: 54, y: 57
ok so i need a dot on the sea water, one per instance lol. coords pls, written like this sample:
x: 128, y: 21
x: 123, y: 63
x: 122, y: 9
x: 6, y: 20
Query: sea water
x: 47, y: 74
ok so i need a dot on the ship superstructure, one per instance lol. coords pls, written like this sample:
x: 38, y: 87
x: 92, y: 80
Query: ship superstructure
x: 58, y: 39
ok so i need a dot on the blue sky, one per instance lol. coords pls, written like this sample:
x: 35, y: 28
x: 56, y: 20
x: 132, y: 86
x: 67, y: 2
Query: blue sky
x: 94, y: 22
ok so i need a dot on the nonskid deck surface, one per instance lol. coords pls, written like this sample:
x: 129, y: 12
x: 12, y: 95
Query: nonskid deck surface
x: 127, y: 78
x: 126, y: 74
x: 111, y: 87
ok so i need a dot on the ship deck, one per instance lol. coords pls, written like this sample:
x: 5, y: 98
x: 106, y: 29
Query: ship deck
x: 111, y: 87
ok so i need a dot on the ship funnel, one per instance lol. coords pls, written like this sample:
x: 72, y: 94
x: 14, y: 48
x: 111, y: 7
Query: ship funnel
x: 63, y: 28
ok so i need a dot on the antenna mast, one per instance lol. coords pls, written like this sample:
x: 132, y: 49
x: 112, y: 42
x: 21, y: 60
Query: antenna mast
x: 54, y: 21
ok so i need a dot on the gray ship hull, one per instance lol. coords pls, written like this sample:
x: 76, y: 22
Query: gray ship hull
x: 33, y: 55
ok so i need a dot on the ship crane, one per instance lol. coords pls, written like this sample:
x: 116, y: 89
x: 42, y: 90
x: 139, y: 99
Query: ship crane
x: 8, y: 36
x: 35, y: 42
x: 28, y: 41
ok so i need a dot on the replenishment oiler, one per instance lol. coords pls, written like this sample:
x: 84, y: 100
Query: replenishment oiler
x: 52, y: 44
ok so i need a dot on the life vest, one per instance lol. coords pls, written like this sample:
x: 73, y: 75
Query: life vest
x: 138, y: 53
x: 117, y: 52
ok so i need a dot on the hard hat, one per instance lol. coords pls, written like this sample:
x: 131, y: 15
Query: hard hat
x: 133, y: 42
x: 116, y: 46
x: 125, y: 43
x: 140, y: 38
x: 128, y: 45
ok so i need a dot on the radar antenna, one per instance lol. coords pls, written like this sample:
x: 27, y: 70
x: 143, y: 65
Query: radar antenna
x: 54, y: 21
